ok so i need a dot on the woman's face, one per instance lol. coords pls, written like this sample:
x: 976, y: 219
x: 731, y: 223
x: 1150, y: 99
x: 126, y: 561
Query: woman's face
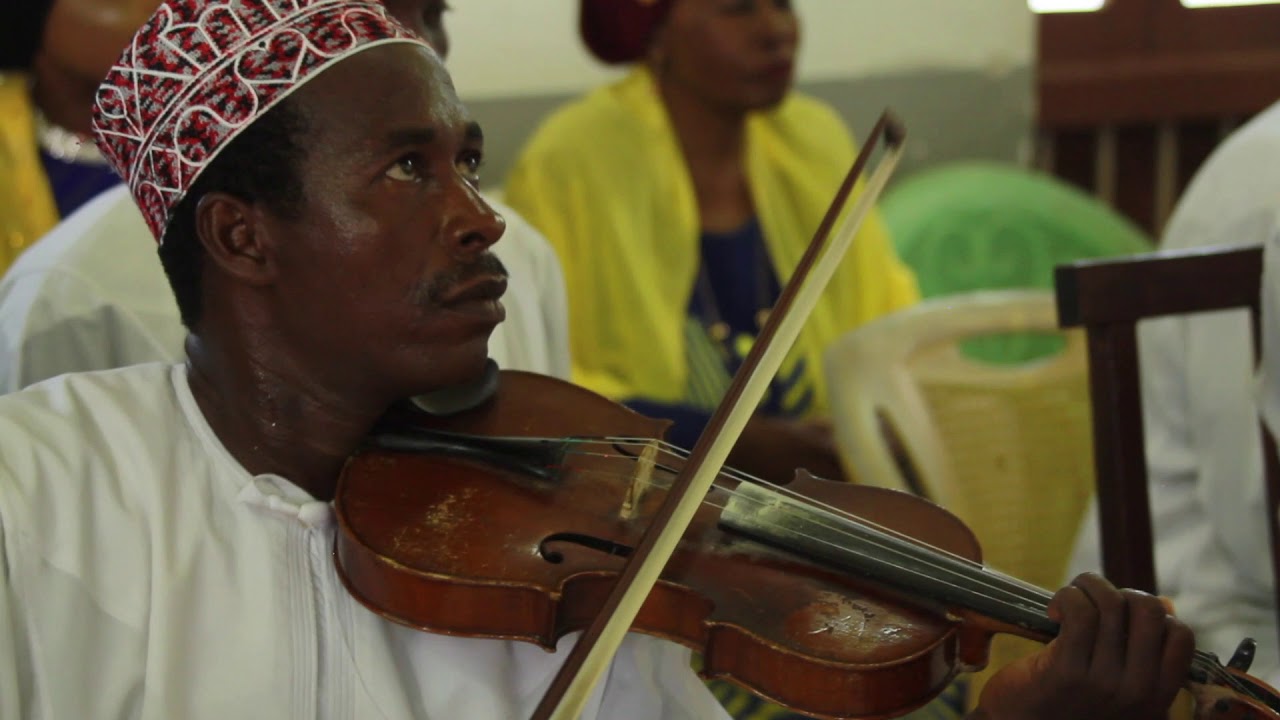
x: 738, y: 54
x: 84, y: 38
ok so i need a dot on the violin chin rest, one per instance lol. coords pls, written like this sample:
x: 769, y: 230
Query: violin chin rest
x: 459, y: 398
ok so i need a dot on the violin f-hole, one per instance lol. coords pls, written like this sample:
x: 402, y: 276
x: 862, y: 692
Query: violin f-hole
x: 587, y: 541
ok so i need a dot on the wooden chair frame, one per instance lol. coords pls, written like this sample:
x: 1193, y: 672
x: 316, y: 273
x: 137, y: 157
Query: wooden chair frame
x: 1108, y: 298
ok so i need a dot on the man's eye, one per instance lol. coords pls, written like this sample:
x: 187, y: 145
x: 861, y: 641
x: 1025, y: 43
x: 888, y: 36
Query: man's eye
x: 470, y: 163
x: 406, y: 169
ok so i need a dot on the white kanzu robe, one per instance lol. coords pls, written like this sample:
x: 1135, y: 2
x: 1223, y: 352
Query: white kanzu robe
x: 145, y: 574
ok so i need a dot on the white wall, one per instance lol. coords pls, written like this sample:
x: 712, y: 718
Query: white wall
x: 850, y: 38
x: 506, y: 48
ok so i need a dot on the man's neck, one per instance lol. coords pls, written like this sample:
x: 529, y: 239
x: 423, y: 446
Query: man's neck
x: 276, y: 419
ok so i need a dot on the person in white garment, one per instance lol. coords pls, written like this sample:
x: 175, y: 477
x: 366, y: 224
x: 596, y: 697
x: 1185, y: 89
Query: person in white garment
x: 166, y: 532
x: 1268, y: 386
x: 1204, y: 457
x: 91, y: 294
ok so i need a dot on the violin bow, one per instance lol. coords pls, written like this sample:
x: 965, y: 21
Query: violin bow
x: 573, y: 684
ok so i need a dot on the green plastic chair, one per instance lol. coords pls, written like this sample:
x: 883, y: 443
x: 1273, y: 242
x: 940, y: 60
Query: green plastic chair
x: 987, y: 226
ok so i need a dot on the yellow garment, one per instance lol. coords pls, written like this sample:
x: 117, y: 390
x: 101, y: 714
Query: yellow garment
x: 604, y: 179
x: 27, y: 207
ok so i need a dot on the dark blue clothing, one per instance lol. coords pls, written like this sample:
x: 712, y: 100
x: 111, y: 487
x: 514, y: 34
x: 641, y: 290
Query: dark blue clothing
x: 735, y: 282
x: 75, y: 184
x: 742, y: 282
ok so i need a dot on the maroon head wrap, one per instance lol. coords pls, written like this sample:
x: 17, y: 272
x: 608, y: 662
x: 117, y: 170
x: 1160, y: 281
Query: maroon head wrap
x: 619, y: 31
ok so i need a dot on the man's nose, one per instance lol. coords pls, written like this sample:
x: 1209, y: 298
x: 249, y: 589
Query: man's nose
x: 475, y: 227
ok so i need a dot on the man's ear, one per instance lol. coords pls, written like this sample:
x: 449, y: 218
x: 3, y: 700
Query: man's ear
x: 236, y: 237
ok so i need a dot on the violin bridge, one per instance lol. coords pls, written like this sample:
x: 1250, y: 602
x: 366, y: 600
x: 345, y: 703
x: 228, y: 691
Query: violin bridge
x: 641, y: 481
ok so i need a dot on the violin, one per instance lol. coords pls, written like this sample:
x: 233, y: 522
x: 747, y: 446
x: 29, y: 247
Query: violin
x: 513, y: 520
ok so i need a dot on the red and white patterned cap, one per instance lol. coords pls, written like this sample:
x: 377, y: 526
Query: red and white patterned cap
x: 201, y: 71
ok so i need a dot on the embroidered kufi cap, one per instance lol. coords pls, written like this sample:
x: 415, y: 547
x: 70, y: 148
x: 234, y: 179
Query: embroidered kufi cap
x: 619, y: 31
x: 201, y: 71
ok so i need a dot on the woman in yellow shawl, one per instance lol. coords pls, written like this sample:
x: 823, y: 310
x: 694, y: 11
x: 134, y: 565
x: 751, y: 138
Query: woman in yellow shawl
x: 678, y: 199
x: 53, y: 54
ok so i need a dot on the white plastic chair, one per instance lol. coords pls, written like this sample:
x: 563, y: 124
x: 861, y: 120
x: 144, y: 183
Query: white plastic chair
x: 1007, y: 448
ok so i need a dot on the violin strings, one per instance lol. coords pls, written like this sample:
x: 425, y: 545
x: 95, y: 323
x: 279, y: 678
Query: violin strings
x: 906, y: 547
x: 1032, y: 592
x: 732, y: 473
x: 900, y: 549
x: 913, y: 549
x: 784, y: 490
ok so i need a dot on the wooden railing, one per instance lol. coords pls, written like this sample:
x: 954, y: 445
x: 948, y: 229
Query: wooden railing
x: 1138, y: 169
x: 1132, y: 98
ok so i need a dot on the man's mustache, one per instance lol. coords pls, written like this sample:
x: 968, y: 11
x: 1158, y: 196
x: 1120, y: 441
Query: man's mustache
x: 439, y: 287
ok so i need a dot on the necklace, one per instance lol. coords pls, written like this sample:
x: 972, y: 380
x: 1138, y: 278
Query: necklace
x: 65, y: 145
x: 717, y: 328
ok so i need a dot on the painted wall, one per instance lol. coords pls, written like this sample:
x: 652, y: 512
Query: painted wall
x: 959, y: 72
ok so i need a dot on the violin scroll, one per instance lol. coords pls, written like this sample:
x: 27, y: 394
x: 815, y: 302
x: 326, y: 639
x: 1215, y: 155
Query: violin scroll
x: 1228, y: 692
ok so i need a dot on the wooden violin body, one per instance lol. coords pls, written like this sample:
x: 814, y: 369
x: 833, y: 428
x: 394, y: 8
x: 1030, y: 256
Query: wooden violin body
x: 524, y: 540
x: 457, y: 546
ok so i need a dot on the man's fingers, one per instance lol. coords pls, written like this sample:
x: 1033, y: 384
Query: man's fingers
x: 1146, y: 645
x: 1179, y: 646
x: 1110, y: 642
x: 1118, y: 654
x: 1078, y: 617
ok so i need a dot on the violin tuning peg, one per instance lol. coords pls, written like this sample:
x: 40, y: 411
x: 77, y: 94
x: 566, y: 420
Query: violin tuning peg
x: 1242, y: 658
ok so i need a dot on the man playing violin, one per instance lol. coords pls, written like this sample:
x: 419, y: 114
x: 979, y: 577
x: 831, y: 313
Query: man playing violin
x: 165, y: 530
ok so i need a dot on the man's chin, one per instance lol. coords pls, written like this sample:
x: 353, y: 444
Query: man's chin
x: 464, y: 364
x: 459, y: 389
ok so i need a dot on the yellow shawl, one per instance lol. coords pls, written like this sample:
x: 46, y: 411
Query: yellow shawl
x: 605, y: 180
x: 27, y: 207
